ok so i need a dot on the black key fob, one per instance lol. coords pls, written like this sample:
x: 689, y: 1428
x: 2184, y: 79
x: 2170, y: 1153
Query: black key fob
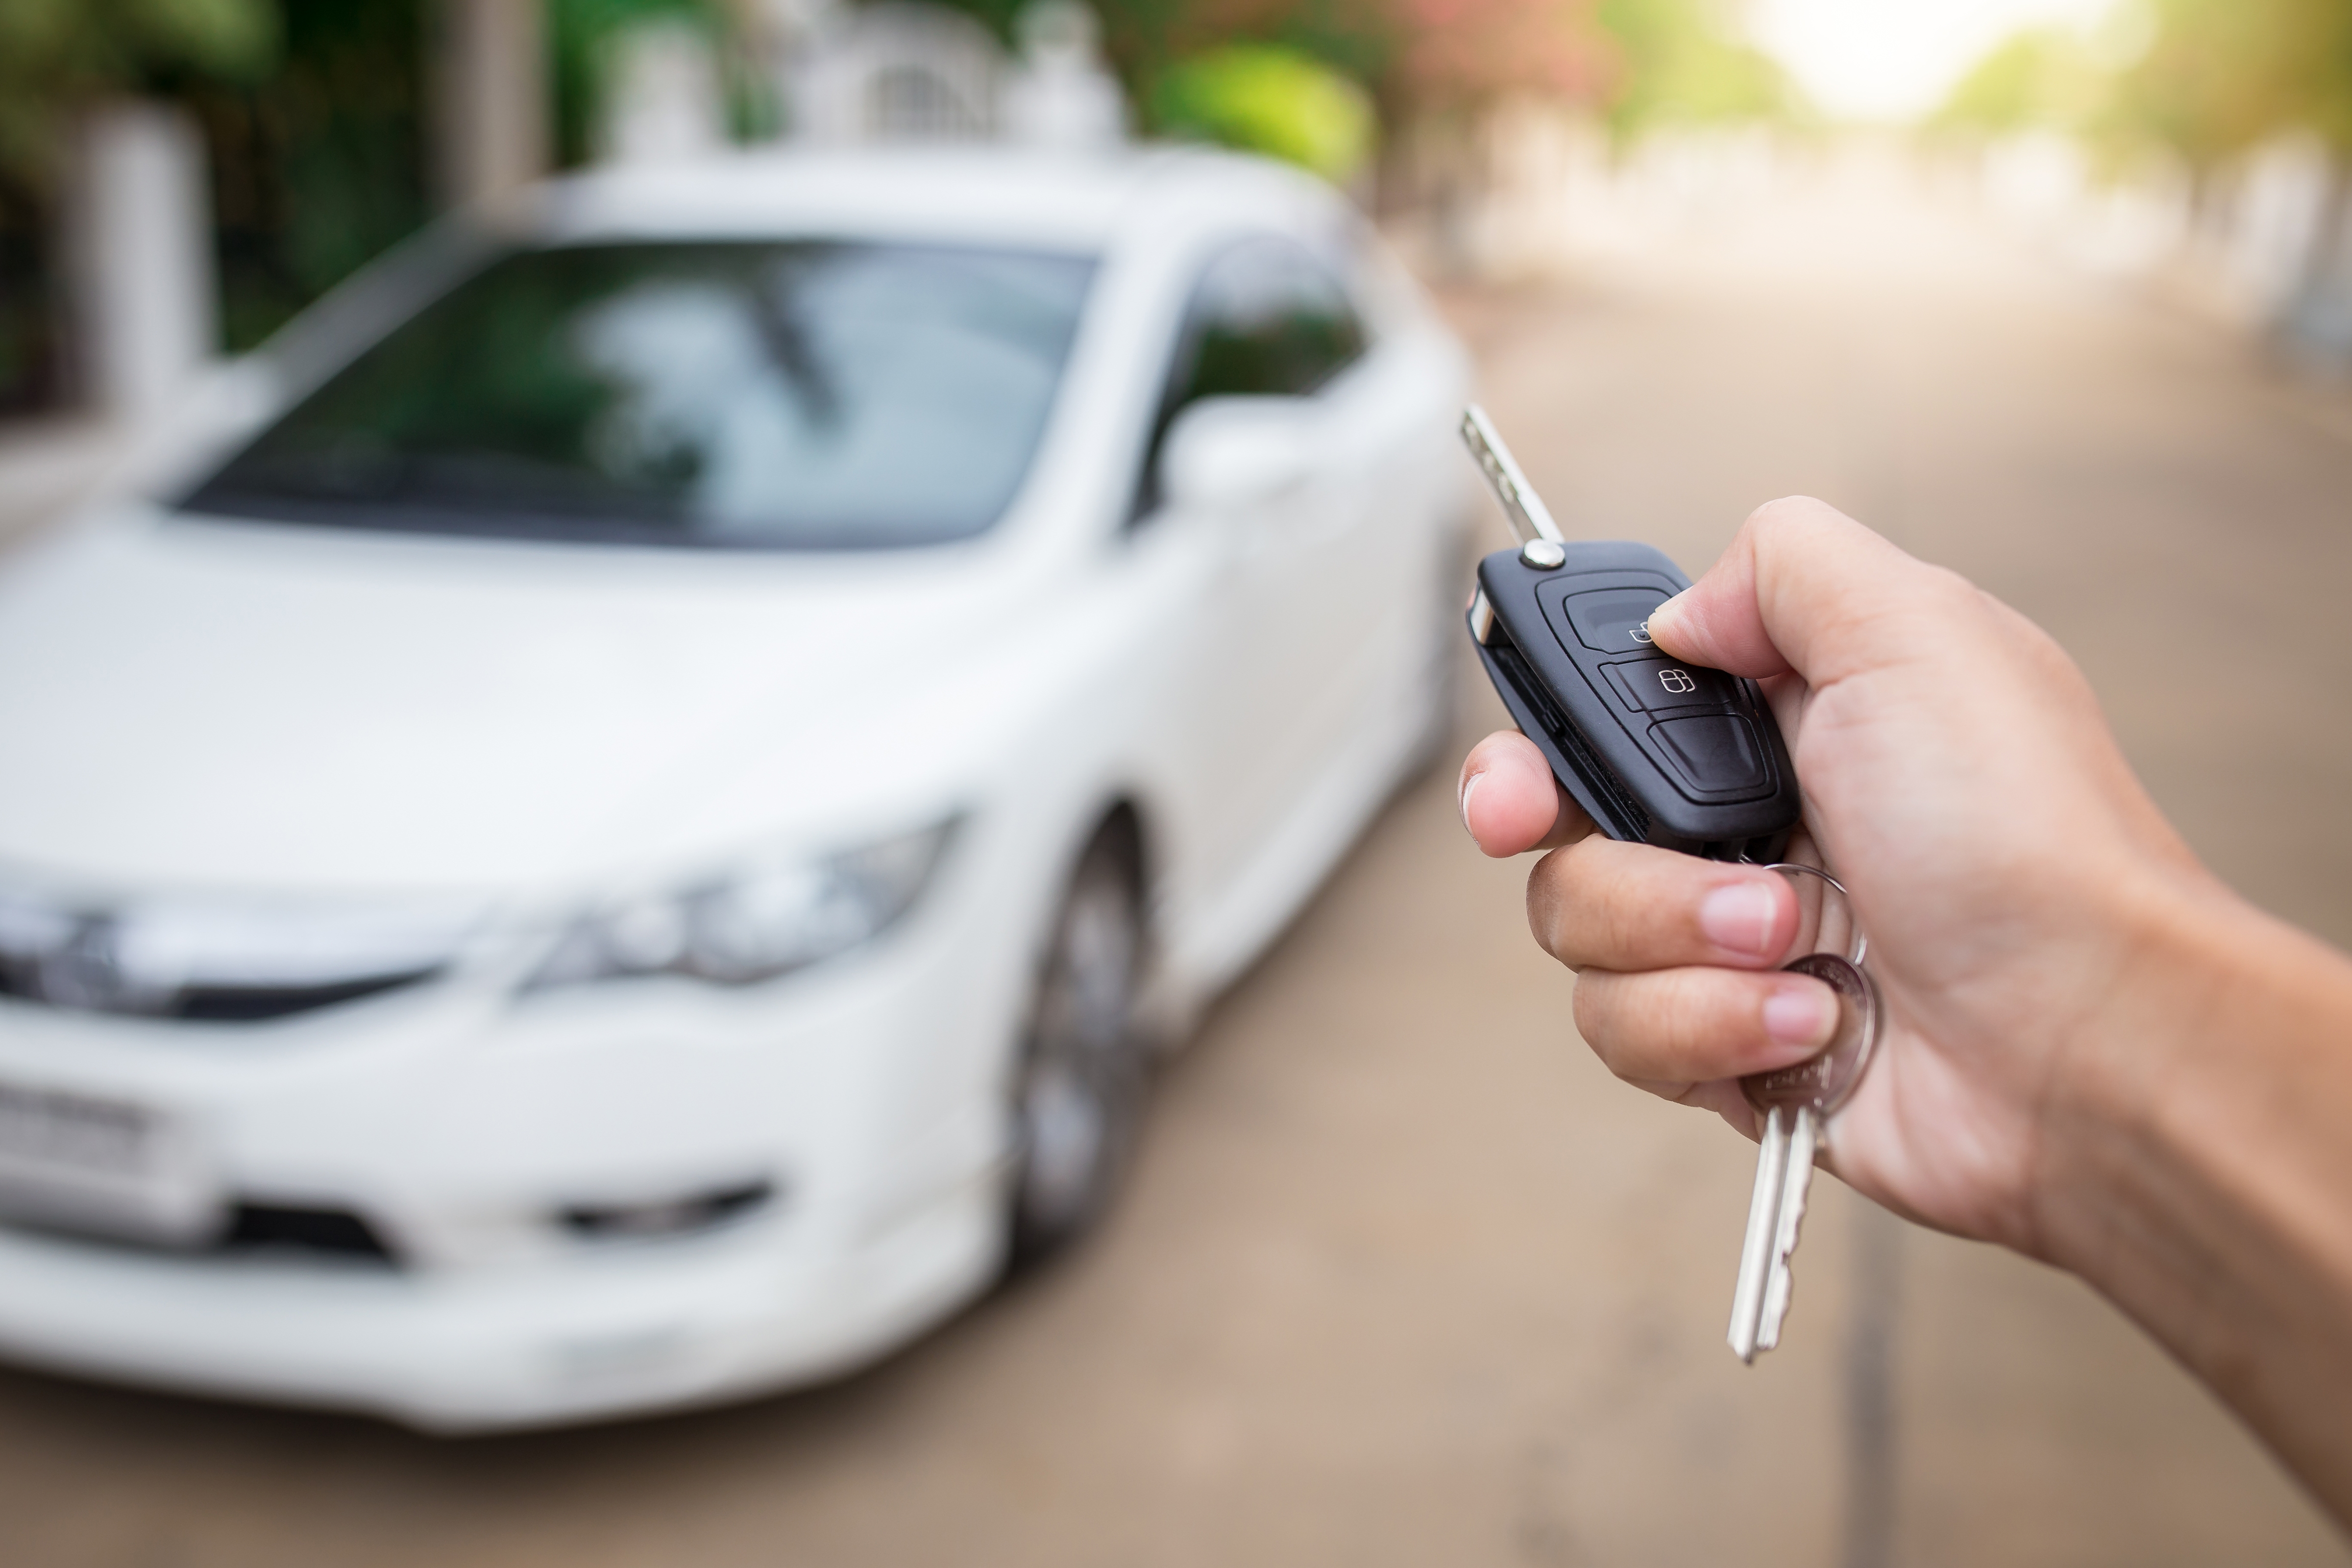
x: 1655, y: 749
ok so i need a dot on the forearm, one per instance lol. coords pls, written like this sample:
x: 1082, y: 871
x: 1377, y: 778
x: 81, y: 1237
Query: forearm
x: 2197, y: 1169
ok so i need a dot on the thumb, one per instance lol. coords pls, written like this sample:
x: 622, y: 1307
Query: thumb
x: 1802, y: 588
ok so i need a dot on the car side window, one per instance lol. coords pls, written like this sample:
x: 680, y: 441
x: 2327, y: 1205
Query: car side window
x: 1266, y: 318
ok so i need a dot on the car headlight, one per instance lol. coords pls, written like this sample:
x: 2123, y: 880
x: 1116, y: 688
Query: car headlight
x: 765, y: 919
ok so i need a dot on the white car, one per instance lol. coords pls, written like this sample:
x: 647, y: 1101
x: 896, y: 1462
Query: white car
x: 627, y: 840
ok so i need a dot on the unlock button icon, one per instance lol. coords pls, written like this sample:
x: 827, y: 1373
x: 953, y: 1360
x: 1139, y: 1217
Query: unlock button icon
x: 1657, y: 683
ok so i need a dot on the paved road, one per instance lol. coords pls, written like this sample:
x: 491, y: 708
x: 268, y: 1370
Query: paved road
x: 1405, y: 1277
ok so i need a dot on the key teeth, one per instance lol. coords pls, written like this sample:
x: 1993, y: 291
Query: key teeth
x: 1757, y: 1244
x: 1776, y: 1309
x: 1780, y: 1280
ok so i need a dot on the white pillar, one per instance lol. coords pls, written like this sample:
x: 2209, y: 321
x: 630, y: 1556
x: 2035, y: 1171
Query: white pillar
x: 139, y: 237
x: 490, y: 98
x: 662, y: 98
x: 1062, y: 95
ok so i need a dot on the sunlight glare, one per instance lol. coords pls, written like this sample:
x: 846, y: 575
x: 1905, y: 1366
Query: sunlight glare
x: 1896, y: 59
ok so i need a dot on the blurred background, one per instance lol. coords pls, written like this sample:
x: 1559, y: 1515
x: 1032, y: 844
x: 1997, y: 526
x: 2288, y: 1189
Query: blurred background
x: 2058, y: 292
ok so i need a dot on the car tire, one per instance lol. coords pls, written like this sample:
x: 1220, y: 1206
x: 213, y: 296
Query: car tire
x: 1085, y: 1070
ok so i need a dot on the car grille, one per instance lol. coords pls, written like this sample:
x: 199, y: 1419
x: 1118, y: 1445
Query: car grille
x: 331, y: 1233
x: 218, y: 962
x: 26, y: 982
x: 258, y: 1231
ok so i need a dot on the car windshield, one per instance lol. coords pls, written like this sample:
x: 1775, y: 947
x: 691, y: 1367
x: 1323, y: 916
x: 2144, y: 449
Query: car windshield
x: 774, y: 396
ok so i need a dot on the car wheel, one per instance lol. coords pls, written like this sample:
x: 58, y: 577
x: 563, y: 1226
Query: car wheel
x: 1078, y: 1097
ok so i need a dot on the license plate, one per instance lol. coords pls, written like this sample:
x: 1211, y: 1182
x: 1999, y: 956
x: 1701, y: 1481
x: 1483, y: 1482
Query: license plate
x: 49, y: 1129
x: 93, y: 1161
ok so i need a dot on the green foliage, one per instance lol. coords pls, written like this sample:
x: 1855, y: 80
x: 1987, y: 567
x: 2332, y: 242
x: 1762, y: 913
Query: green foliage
x: 1359, y: 40
x: 2205, y: 78
x: 997, y: 16
x: 2047, y: 78
x: 1268, y: 99
x: 1144, y: 40
x: 55, y: 54
x: 1681, y: 65
x: 580, y: 35
x: 320, y: 166
x: 2218, y: 75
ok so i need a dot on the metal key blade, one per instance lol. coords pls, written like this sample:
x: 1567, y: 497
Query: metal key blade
x: 1796, y: 1184
x: 1798, y: 1100
x: 1530, y: 518
x: 1756, y: 1250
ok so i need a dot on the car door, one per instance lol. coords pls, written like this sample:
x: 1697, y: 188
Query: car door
x: 1394, y: 575
x: 1256, y: 723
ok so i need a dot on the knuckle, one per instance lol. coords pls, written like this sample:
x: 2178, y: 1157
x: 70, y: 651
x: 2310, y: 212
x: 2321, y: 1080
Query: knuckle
x: 1543, y: 917
x: 1680, y: 1025
x: 1624, y: 907
x: 1598, y: 1022
x: 1560, y: 893
x: 1685, y: 1017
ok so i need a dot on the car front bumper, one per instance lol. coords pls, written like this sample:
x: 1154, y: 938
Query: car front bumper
x: 468, y: 1129
x: 659, y: 1326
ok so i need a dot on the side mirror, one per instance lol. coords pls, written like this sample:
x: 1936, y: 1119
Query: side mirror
x: 1228, y: 453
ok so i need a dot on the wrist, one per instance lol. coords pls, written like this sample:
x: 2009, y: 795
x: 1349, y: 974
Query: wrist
x: 2113, y: 1103
x: 2192, y: 1157
x: 2219, y: 1050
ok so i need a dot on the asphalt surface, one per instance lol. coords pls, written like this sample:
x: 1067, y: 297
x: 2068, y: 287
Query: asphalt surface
x: 1403, y: 1275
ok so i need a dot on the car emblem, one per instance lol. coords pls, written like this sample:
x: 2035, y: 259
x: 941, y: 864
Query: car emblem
x: 87, y: 971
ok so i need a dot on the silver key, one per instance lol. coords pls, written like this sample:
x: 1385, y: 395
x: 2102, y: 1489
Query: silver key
x: 1796, y: 1102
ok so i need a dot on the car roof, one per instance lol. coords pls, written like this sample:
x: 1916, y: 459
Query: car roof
x: 982, y: 194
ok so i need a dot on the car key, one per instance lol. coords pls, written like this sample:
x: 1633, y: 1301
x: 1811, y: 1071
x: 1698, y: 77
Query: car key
x: 1655, y: 750
x: 1796, y: 1102
x: 1562, y: 629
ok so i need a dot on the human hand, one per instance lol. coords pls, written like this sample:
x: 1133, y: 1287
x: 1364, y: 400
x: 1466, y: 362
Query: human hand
x: 1961, y: 781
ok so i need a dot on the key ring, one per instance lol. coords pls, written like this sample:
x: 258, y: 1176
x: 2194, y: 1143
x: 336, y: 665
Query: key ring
x: 1861, y: 940
x: 1823, y: 1081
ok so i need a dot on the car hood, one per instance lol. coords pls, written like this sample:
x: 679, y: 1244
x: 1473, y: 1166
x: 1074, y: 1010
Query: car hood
x: 193, y: 705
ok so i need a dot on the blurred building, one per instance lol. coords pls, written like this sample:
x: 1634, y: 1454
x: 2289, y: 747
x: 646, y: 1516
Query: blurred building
x: 896, y: 71
x: 901, y: 70
x: 663, y: 100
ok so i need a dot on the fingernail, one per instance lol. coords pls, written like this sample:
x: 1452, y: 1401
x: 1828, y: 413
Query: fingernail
x: 1738, y: 918
x: 1801, y: 1015
x: 1468, y: 785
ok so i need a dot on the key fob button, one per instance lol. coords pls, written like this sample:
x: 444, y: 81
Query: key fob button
x: 1565, y: 648
x: 1614, y: 620
x: 1657, y: 684
x: 1714, y: 752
